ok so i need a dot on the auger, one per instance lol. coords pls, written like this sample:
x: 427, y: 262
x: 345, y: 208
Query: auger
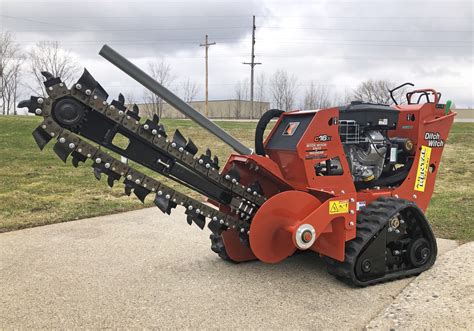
x: 350, y: 183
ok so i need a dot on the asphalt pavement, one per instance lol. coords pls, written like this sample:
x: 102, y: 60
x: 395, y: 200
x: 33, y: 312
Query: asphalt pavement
x: 143, y: 269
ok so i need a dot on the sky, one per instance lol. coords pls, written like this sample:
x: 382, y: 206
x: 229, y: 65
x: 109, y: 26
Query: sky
x: 335, y: 43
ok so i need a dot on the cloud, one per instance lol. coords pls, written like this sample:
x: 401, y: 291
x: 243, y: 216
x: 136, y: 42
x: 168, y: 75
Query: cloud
x: 338, y: 43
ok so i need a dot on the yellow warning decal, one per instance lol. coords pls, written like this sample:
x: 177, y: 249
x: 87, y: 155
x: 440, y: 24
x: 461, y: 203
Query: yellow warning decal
x: 422, y: 171
x: 338, y: 207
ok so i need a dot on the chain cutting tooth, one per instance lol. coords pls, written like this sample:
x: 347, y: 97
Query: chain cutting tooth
x: 41, y: 137
x: 121, y: 99
x: 50, y: 79
x: 97, y: 173
x: 189, y: 219
x: 128, y: 189
x: 215, y: 161
x: 141, y: 193
x: 119, y: 103
x: 25, y: 104
x: 33, y: 105
x: 110, y: 181
x: 152, y: 126
x: 133, y: 113
x: 165, y: 205
x: 76, y: 158
x: 62, y: 150
x: 179, y: 139
x: 198, y: 219
x: 162, y: 130
x: 206, y: 161
x: 88, y: 82
x: 47, y: 75
x: 190, y: 147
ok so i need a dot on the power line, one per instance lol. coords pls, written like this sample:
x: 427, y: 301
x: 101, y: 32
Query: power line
x: 366, y: 43
x: 222, y: 27
x: 246, y: 16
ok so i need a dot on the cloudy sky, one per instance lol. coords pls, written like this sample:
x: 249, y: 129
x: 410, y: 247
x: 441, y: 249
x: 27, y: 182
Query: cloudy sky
x: 337, y: 43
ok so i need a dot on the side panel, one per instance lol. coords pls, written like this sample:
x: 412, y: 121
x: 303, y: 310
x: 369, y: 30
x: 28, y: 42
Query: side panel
x: 432, y: 133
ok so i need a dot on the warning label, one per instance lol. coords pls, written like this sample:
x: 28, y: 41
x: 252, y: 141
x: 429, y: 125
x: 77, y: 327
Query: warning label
x: 338, y: 207
x: 422, y: 171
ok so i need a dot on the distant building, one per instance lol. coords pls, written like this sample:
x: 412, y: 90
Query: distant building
x: 464, y: 115
x: 221, y: 109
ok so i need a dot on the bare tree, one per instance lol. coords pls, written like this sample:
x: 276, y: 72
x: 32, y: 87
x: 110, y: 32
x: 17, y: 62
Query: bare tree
x: 49, y: 56
x: 190, y: 90
x: 161, y: 72
x: 377, y: 91
x: 317, y: 96
x: 130, y: 99
x: 11, y: 61
x: 241, y: 93
x: 260, y: 93
x: 343, y: 97
x: 283, y: 89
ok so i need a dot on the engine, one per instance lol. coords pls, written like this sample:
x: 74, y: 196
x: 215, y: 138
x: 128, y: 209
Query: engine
x: 367, y: 158
x: 363, y: 131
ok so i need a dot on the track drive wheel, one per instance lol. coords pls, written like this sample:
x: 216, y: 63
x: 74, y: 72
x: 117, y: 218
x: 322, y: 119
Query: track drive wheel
x: 393, y: 241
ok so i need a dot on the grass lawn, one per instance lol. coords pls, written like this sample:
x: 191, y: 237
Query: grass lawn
x: 36, y: 188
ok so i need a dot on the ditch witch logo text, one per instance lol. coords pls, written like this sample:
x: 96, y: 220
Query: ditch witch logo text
x: 434, y: 139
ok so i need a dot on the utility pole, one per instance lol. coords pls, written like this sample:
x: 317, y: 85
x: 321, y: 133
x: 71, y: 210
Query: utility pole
x: 207, y: 45
x: 252, y: 64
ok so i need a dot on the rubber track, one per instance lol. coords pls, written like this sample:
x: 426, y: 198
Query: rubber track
x: 370, y: 221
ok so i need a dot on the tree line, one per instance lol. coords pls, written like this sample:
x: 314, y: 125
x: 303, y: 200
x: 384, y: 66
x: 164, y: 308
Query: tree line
x: 284, y: 92
x: 20, y: 74
x: 20, y: 70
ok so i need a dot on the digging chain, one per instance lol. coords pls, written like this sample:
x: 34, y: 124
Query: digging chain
x: 244, y: 201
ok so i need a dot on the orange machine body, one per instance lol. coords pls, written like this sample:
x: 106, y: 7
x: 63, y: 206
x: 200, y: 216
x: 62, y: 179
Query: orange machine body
x: 330, y: 203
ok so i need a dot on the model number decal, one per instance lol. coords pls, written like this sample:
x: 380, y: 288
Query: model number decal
x: 422, y: 171
x: 322, y: 137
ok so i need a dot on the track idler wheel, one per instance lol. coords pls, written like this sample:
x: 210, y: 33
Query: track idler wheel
x: 419, y: 252
x: 273, y: 232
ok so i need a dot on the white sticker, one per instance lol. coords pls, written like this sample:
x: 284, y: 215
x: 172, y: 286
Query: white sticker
x: 360, y: 204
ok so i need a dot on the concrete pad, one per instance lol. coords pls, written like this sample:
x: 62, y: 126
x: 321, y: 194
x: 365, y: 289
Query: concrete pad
x: 441, y: 298
x: 146, y: 269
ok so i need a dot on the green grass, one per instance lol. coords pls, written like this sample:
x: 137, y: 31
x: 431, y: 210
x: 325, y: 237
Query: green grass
x: 451, y: 211
x: 36, y: 188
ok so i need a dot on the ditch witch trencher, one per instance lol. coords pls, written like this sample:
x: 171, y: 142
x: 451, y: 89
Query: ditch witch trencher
x: 350, y: 183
